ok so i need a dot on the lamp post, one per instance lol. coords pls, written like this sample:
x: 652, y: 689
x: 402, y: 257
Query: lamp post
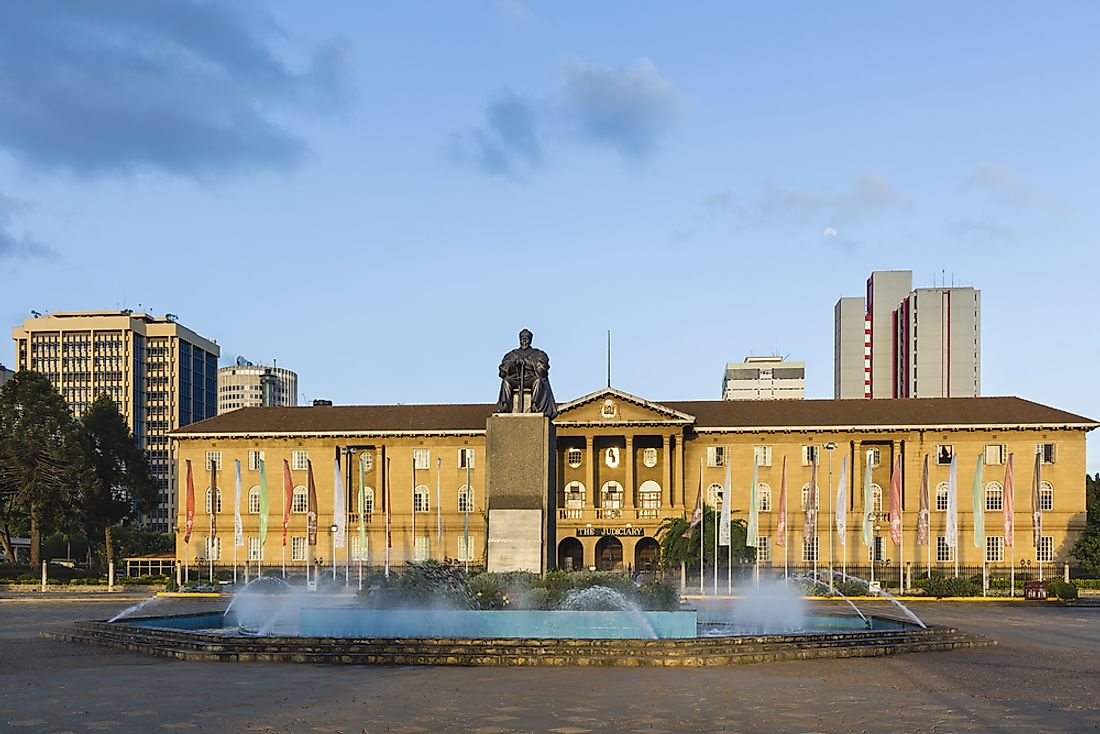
x: 832, y: 519
x: 332, y: 529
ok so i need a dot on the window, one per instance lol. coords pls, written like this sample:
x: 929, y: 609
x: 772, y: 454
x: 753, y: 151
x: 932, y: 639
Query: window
x: 994, y: 549
x: 809, y: 455
x: 1046, y: 451
x: 213, y: 548
x: 806, y: 497
x: 422, y: 458
x: 366, y: 461
x: 877, y: 550
x: 876, y: 499
x: 809, y: 550
x: 716, y: 456
x: 611, y: 457
x: 649, y: 496
x: 1046, y: 496
x: 649, y: 457
x: 944, y: 453
x: 995, y: 454
x: 254, y: 501
x: 573, y: 457
x: 941, y: 497
x: 299, y: 501
x: 254, y: 459
x: 368, y: 502
x: 763, y: 548
x: 944, y: 552
x: 421, y: 548
x: 762, y: 455
x: 218, y: 504
x: 299, y: 460
x: 465, y: 548
x: 420, y: 499
x: 213, y: 460
x: 994, y: 497
x: 359, y: 553
x: 574, y: 496
x: 297, y: 548
x: 1045, y: 552
x: 611, y: 497
x: 763, y: 497
x: 714, y: 495
x: 874, y: 456
x: 465, y: 499
x: 465, y: 458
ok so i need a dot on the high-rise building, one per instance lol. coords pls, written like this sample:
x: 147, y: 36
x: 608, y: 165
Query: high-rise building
x: 161, y: 374
x: 247, y: 385
x: 5, y: 374
x: 764, y: 378
x: 904, y: 343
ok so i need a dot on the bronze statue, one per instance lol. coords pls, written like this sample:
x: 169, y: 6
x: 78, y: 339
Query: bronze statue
x: 525, y: 380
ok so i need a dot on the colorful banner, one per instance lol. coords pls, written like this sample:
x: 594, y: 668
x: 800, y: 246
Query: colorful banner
x: 895, y: 502
x: 781, y: 523
x: 868, y: 534
x: 189, y: 505
x: 924, y: 514
x: 238, y: 528
x: 288, y: 497
x: 1036, y: 502
x: 753, y: 530
x: 727, y: 500
x: 362, y: 507
x: 809, y: 520
x: 697, y: 515
x: 311, y: 505
x: 842, y: 501
x: 977, y: 497
x: 1009, y: 502
x: 339, y: 511
x: 389, y: 513
x: 264, y: 506
x: 951, y: 529
x: 213, y: 503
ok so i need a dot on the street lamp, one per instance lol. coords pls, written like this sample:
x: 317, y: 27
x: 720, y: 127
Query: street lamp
x: 832, y: 519
x: 333, y: 528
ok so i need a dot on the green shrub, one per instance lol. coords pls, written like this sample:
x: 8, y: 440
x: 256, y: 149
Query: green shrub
x: 659, y: 596
x: 1090, y: 584
x: 1062, y: 590
x: 940, y: 586
x: 171, y: 585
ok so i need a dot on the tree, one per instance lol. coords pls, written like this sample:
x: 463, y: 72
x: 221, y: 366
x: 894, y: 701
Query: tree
x: 41, y: 462
x: 119, y: 485
x: 1087, y: 548
x: 676, y: 549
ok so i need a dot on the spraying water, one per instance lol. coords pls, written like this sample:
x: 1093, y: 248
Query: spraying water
x: 818, y: 582
x: 771, y: 608
x: 884, y: 594
x: 604, y: 599
x: 131, y: 610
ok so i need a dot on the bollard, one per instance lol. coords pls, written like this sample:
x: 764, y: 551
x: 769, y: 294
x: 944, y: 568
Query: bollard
x: 43, y: 575
x: 985, y: 578
x: 111, y: 576
x: 179, y: 574
x: 1065, y: 573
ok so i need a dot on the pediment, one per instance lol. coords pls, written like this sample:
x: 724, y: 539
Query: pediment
x: 610, y: 406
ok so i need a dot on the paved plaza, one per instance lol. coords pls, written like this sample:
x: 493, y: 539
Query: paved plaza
x: 1043, y: 676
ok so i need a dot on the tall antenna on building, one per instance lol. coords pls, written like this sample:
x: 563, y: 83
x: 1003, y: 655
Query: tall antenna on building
x: 609, y: 357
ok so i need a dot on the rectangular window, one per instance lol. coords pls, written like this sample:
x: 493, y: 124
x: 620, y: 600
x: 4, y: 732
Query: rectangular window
x: 255, y: 550
x: 877, y: 550
x: 716, y: 456
x: 299, y: 460
x: 213, y: 548
x: 995, y: 454
x: 994, y: 548
x: 465, y: 458
x: 944, y: 453
x: 1047, y: 452
x: 762, y: 455
x: 464, y: 549
x: 809, y: 455
x: 357, y: 553
x: 573, y: 457
x: 297, y: 548
x: 1045, y: 551
x: 422, y: 458
x: 421, y: 548
x: 944, y: 552
x: 874, y: 456
x: 809, y: 550
x: 763, y: 548
x: 254, y: 501
x: 214, y: 460
x: 254, y: 459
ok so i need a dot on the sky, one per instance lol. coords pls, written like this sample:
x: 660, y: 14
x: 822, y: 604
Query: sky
x: 381, y: 195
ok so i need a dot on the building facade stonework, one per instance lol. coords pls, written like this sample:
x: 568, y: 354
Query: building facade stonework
x: 624, y: 464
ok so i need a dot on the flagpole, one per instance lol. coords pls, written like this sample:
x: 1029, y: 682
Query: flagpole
x: 815, y: 499
x: 438, y: 509
x: 466, y: 527
x: 386, y: 501
x: 412, y: 555
x: 786, y: 549
x: 728, y: 497
x: 702, y: 525
x: 716, y: 516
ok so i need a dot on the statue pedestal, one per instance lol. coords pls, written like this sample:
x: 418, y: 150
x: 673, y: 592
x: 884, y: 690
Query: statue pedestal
x: 520, y: 489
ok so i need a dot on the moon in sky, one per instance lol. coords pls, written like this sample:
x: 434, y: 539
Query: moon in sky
x: 830, y: 233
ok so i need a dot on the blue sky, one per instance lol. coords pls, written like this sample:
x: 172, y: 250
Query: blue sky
x: 381, y: 195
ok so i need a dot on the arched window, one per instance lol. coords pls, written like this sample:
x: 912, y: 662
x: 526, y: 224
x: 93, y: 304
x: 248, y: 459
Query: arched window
x: 649, y: 495
x: 218, y: 504
x: 994, y: 496
x: 1046, y: 496
x: 714, y: 495
x: 465, y: 499
x: 816, y: 497
x: 299, y: 501
x: 254, y: 501
x: 421, y: 502
x: 763, y: 497
x: 368, y: 501
x: 876, y: 498
x: 611, y: 496
x: 574, y: 496
x: 941, y: 497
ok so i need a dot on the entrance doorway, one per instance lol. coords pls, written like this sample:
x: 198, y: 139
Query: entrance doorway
x: 570, y: 555
x: 609, y: 554
x: 647, y: 553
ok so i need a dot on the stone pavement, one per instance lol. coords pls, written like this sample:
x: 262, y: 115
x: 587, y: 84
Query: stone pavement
x: 1043, y: 677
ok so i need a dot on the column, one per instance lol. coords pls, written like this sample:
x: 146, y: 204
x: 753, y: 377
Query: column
x: 666, y: 468
x: 590, y: 473
x: 629, y: 489
x: 678, y: 469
